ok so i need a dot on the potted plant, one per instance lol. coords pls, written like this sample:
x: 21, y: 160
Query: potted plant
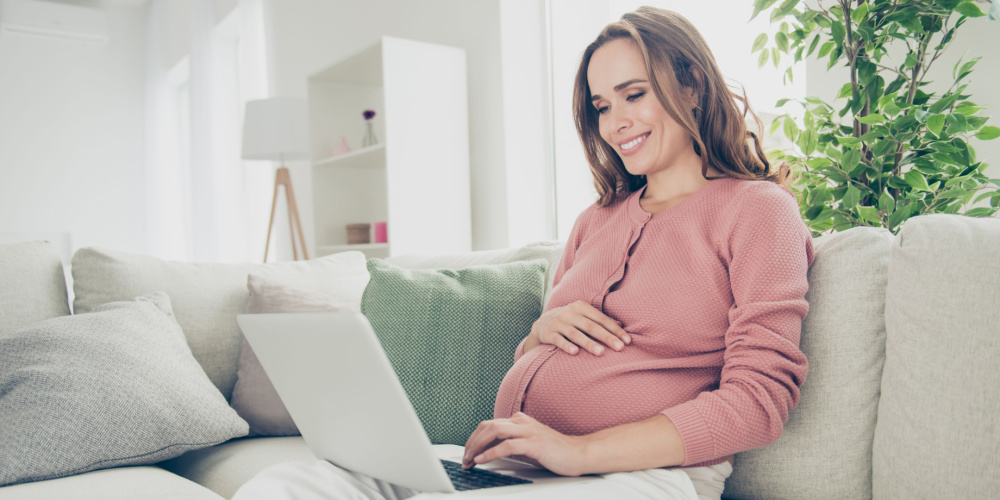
x: 888, y: 149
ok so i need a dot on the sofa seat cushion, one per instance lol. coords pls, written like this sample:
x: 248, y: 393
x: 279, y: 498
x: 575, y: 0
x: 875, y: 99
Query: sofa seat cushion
x: 122, y: 483
x: 937, y: 434
x: 225, y: 467
x: 825, y: 449
x: 207, y: 297
x: 34, y: 286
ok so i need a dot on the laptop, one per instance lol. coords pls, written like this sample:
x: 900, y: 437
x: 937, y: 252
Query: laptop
x: 340, y: 389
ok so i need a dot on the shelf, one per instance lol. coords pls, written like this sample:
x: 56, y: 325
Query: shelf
x: 328, y: 249
x: 370, y: 157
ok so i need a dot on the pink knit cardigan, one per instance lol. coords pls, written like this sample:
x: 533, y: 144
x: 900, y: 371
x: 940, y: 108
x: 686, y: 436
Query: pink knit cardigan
x: 712, y: 292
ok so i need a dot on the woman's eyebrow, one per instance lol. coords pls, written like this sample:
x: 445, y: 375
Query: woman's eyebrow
x: 619, y: 87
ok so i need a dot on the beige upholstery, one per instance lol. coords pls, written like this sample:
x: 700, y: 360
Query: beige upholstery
x: 32, y: 284
x: 122, y: 483
x: 825, y: 450
x: 938, y: 434
x: 225, y: 467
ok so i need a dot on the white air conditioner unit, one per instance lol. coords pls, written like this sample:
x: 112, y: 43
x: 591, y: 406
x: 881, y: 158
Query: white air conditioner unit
x: 53, y: 20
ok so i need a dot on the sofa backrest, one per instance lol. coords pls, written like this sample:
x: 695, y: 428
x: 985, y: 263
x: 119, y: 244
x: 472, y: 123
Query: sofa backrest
x: 550, y: 250
x: 207, y: 297
x: 825, y: 449
x: 32, y: 284
x: 938, y: 434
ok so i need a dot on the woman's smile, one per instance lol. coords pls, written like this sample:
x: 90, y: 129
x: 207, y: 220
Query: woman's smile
x: 633, y: 145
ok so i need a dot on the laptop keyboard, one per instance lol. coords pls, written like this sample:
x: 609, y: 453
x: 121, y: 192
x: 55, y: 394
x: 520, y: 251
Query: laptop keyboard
x: 474, y: 479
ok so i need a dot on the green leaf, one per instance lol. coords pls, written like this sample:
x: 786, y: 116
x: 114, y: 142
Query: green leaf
x: 848, y: 141
x: 845, y: 91
x: 781, y: 40
x: 774, y: 56
x: 872, y: 118
x: 812, y: 46
x: 825, y: 49
x: 851, y: 197
x: 980, y: 212
x: 916, y: 180
x: 762, y: 60
x: 810, y: 142
x: 791, y: 131
x: 759, y: 5
x: 988, y: 133
x: 891, y: 109
x: 969, y: 9
x: 850, y: 161
x: 886, y: 203
x: 786, y: 7
x: 921, y: 115
x: 911, y: 60
x: 995, y: 11
x: 838, y: 32
x: 869, y: 214
x: 859, y: 13
x: 968, y: 110
x: 935, y: 124
x: 759, y: 42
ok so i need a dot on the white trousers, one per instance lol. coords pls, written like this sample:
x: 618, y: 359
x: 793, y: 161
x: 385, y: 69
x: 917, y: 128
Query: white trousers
x: 323, y: 480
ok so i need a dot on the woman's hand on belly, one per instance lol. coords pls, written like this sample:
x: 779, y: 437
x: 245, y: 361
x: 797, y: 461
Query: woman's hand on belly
x: 577, y: 324
x: 523, y: 435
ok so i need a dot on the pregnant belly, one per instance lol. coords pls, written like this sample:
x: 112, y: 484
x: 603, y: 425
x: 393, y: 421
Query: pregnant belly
x: 585, y: 393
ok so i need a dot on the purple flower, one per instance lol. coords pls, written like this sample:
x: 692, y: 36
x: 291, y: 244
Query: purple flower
x: 369, y: 114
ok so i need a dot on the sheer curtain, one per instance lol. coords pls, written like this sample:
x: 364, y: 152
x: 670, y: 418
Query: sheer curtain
x: 203, y: 203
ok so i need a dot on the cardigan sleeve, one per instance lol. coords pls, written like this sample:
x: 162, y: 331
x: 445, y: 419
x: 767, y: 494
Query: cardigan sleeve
x: 565, y: 262
x: 770, y: 252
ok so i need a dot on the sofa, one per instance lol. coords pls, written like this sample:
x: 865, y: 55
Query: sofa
x: 902, y: 339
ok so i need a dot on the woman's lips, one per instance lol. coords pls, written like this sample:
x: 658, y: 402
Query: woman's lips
x: 636, y: 144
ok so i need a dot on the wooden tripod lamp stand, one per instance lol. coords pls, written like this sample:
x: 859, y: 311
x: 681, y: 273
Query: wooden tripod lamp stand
x: 278, y: 129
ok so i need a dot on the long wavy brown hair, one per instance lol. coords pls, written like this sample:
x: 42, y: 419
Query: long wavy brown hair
x: 676, y: 57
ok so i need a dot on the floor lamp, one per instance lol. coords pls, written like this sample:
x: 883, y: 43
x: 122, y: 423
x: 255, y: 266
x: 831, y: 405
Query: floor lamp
x: 278, y: 129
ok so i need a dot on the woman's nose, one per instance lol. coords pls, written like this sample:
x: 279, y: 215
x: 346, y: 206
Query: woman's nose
x: 620, y: 120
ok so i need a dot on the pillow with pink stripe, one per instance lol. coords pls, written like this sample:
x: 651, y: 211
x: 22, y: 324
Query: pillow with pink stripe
x: 254, y: 397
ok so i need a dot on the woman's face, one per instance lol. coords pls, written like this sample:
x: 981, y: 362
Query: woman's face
x: 630, y: 117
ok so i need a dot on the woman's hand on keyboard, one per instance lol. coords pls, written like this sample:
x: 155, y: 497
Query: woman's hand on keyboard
x: 523, y: 435
x: 577, y: 325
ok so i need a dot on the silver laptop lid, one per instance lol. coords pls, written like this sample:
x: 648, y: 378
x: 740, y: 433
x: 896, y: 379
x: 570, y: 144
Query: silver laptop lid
x: 326, y: 367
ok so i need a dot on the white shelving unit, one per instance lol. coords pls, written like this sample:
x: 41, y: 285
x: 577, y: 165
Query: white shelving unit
x: 417, y: 178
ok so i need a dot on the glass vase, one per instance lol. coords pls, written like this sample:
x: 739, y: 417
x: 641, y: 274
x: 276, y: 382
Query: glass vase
x: 370, y: 139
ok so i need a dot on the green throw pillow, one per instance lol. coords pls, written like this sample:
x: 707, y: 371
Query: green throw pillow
x: 450, y: 335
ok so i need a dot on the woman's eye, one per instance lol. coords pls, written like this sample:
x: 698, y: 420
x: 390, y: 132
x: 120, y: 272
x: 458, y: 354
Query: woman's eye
x: 635, y: 97
x: 601, y: 110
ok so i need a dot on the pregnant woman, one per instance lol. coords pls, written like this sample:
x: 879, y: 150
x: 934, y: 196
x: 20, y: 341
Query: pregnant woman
x: 670, y: 341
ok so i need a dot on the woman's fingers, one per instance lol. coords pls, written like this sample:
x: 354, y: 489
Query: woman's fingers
x: 506, y: 448
x: 487, y: 435
x: 581, y: 325
x: 602, y: 326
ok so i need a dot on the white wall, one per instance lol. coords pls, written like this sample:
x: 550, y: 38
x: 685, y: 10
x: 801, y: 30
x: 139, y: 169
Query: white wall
x: 71, y: 119
x: 308, y: 35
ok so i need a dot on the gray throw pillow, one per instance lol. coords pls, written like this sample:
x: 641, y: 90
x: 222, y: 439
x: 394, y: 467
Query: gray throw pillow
x: 113, y: 387
x: 450, y: 335
x: 254, y: 397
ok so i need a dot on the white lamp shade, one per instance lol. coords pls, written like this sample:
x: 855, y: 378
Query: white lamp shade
x: 276, y: 129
